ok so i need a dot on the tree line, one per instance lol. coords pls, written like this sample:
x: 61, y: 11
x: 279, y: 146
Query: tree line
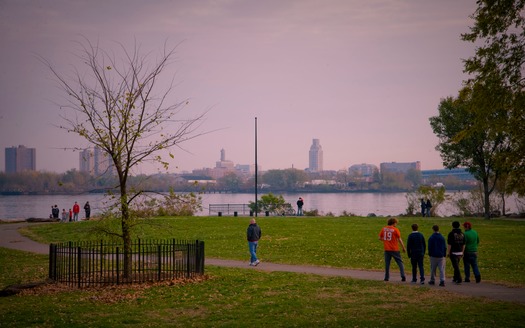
x: 287, y: 180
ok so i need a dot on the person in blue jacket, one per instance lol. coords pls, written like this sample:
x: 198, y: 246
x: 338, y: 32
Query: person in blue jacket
x: 437, y: 250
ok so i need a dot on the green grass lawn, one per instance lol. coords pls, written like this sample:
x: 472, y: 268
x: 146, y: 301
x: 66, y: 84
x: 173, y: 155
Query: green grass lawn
x: 348, y: 242
x: 248, y: 298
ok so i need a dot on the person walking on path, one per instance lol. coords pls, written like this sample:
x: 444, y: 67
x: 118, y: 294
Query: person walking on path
x: 300, y: 204
x: 253, y: 234
x: 416, y: 247
x: 456, y: 247
x: 470, y: 257
x: 76, y: 210
x: 437, y: 250
x: 391, y: 238
x: 87, y: 209
x: 423, y: 207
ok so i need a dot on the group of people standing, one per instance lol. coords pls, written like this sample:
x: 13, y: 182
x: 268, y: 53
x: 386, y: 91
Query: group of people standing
x: 457, y: 246
x: 72, y: 214
x: 426, y: 207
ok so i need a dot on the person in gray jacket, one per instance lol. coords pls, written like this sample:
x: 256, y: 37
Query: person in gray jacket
x: 253, y: 234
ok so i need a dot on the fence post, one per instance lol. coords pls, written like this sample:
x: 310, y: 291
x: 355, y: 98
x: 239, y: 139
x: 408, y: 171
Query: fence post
x: 52, y: 261
x: 188, y: 249
x: 159, y: 264
x: 199, y: 257
x: 79, y: 265
x: 118, y: 265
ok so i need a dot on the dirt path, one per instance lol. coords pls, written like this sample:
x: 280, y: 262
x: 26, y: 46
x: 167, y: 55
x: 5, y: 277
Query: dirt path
x: 11, y: 238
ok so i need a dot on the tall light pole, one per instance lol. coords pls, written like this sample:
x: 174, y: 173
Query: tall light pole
x: 256, y: 206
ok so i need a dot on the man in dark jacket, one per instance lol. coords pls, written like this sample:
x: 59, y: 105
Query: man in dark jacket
x: 456, y: 247
x: 428, y: 206
x: 253, y: 234
x: 437, y: 250
x: 300, y: 204
x: 55, y: 211
x: 87, y: 208
x: 416, y: 247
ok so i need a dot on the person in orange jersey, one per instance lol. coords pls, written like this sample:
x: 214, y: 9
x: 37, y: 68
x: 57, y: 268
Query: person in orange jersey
x: 391, y: 238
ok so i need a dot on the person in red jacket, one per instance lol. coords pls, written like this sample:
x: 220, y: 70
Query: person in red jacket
x: 76, y: 210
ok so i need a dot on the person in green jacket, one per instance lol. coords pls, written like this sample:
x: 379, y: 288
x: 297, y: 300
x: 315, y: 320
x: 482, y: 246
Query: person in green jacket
x: 470, y: 258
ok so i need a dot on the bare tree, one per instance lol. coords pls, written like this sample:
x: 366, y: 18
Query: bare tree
x: 115, y: 106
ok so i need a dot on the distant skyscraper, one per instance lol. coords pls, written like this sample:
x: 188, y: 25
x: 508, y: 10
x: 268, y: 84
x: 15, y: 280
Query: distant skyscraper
x: 86, y: 160
x: 102, y: 163
x: 316, y: 157
x: 224, y: 163
x: 20, y: 159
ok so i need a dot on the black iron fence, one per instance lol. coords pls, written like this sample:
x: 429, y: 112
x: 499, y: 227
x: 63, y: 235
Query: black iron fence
x: 88, y: 264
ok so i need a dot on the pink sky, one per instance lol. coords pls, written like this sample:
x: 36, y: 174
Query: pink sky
x: 362, y: 76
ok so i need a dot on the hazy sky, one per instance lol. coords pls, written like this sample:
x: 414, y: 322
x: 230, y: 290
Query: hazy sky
x: 363, y: 76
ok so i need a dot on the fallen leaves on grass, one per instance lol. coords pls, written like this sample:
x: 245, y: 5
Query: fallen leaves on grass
x: 109, y: 294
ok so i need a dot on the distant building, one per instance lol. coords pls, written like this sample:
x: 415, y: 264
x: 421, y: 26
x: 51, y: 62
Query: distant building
x: 221, y: 168
x: 462, y: 174
x: 363, y: 172
x: 95, y: 161
x: 315, y: 157
x: 245, y: 169
x: 399, y: 167
x: 223, y: 163
x: 20, y: 159
x: 86, y: 161
x: 102, y: 163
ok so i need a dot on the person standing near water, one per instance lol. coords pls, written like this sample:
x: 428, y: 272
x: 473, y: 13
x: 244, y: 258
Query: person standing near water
x: 87, y: 209
x: 76, y: 210
x: 300, y: 204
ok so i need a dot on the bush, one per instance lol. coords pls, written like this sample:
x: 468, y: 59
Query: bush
x: 314, y: 212
x: 171, y: 204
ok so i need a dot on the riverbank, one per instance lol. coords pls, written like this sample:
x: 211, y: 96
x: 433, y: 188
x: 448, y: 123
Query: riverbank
x: 327, y: 204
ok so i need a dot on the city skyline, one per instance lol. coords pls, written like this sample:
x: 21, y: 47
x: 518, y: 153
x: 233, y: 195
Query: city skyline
x: 362, y: 76
x: 91, y: 160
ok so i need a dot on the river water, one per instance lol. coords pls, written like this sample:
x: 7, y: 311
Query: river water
x: 362, y: 204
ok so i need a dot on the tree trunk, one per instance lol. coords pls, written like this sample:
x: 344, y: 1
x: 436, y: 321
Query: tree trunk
x: 126, y: 231
x: 486, y: 198
x: 503, y: 212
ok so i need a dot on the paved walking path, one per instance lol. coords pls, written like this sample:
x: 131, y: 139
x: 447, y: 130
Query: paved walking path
x: 11, y: 238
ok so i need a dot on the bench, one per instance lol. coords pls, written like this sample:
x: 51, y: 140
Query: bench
x: 229, y: 209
